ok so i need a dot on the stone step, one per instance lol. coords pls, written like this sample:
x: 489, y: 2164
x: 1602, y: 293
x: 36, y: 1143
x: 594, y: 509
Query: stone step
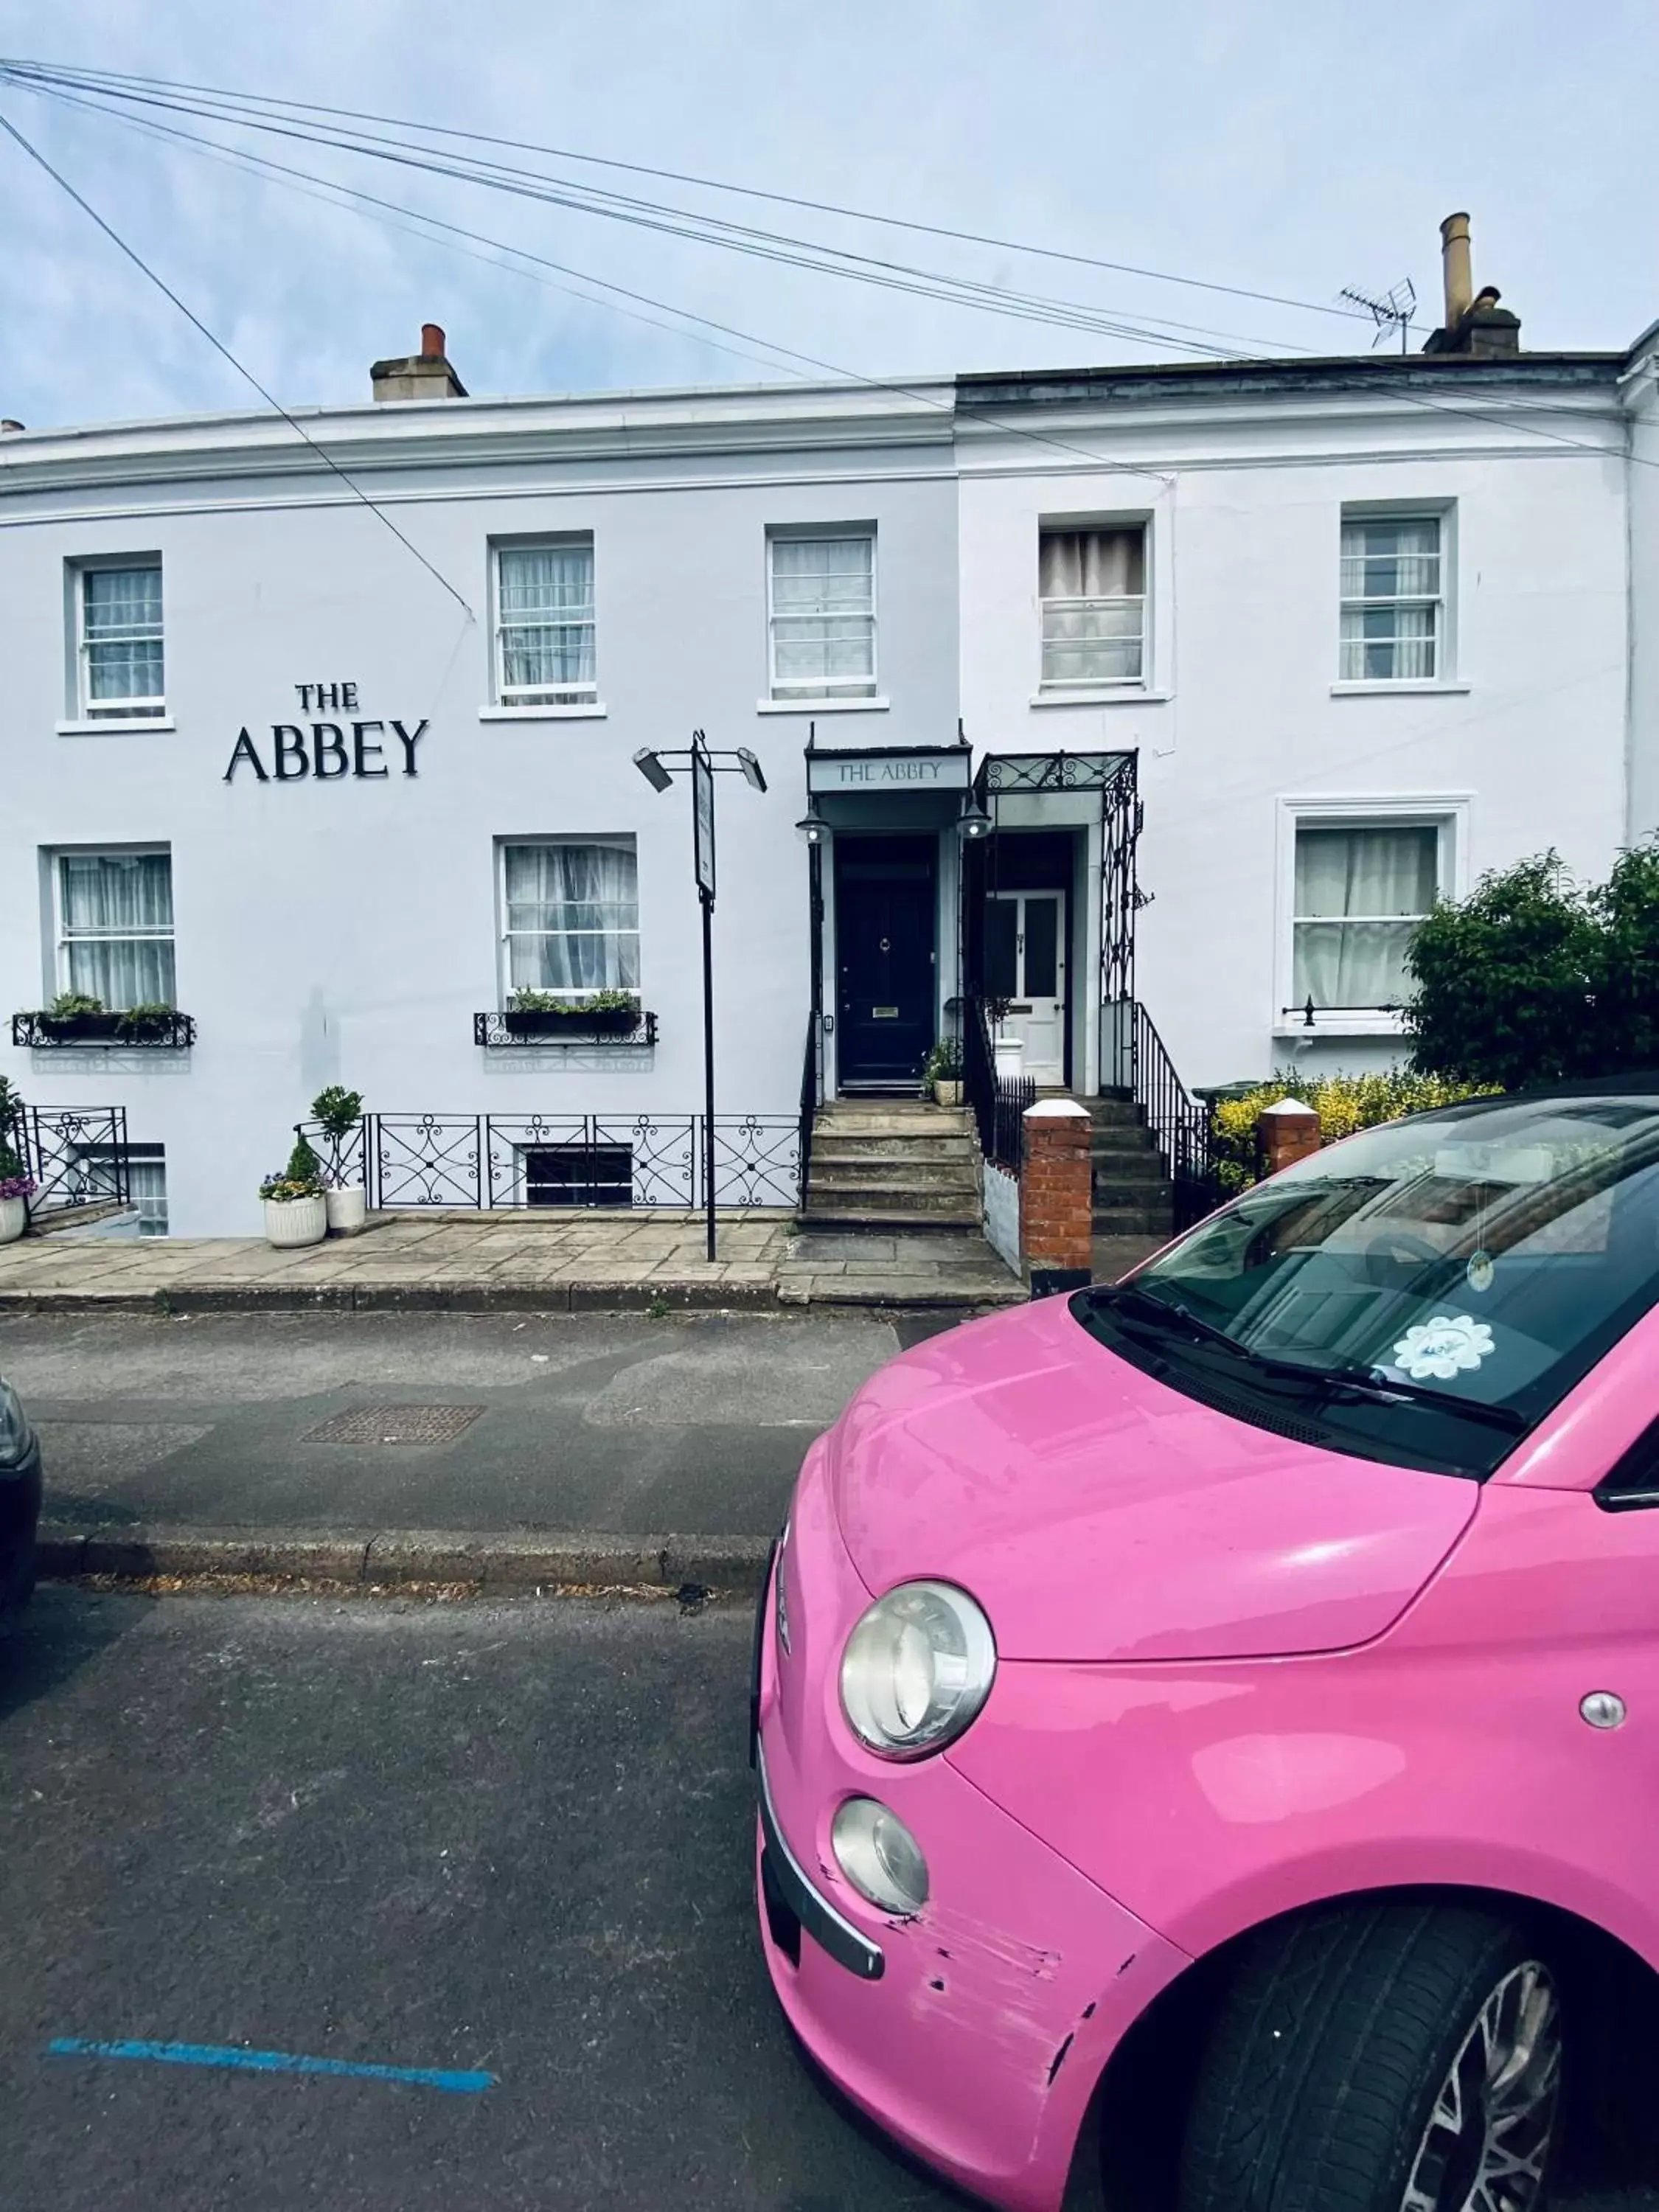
x: 912, y: 1196
x: 883, y: 1221
x: 1122, y: 1144
x: 923, y: 1123
x: 842, y: 1145
x: 1131, y: 1174
x: 882, y: 1167
x: 1137, y: 1220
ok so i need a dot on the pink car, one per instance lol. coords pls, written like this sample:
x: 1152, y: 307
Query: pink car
x: 1207, y: 1729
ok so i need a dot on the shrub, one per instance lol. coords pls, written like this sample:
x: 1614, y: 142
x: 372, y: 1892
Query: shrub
x: 301, y: 1178
x: 68, y: 1004
x: 1343, y: 1104
x: 1533, y: 978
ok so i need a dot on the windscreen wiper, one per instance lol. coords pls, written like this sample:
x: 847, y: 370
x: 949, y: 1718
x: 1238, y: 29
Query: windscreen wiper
x: 1350, y: 1381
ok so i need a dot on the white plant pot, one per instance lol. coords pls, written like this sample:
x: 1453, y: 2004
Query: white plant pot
x: 14, y: 1220
x: 296, y: 1221
x: 947, y: 1091
x: 1010, y: 1052
x: 347, y: 1209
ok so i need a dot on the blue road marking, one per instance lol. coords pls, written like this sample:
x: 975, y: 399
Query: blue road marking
x: 462, y: 2083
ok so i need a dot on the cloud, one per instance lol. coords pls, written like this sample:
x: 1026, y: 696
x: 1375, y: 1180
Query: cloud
x: 1289, y: 148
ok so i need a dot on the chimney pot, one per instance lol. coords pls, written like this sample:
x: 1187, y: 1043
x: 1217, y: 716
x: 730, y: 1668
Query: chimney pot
x: 1455, y: 268
x: 431, y: 341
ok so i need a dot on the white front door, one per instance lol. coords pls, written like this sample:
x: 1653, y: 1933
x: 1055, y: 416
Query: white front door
x: 1025, y: 963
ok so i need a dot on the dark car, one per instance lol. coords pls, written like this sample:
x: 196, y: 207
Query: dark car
x: 19, y: 1502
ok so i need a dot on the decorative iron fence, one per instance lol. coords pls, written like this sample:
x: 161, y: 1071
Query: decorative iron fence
x: 1135, y: 1063
x: 504, y: 1031
x: 76, y: 1155
x: 999, y: 1104
x: 162, y: 1030
x: 485, y: 1161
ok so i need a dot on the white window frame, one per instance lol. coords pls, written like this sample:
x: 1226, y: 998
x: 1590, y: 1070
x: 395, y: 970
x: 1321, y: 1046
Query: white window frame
x: 542, y: 700
x: 1443, y: 514
x: 504, y: 936
x: 1064, y: 526
x: 852, y: 691
x: 57, y: 855
x: 1447, y: 813
x: 152, y: 707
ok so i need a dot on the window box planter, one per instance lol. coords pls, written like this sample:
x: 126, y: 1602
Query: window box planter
x: 565, y: 1025
x: 173, y: 1032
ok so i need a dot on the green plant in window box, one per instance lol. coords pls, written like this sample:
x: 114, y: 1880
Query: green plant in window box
x: 146, y: 1022
x: 74, y: 1017
x: 597, y: 1013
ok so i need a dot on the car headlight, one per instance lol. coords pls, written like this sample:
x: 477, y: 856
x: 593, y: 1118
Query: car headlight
x: 916, y: 1669
x: 14, y: 1429
x: 879, y: 1857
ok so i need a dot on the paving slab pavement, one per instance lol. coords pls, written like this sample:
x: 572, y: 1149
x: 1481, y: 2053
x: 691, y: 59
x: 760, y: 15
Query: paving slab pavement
x: 494, y: 1262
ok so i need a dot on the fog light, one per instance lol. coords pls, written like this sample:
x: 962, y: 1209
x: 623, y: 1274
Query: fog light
x: 879, y: 1856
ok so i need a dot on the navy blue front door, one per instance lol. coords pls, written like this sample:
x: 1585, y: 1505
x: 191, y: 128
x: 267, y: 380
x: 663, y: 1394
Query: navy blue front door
x: 886, y: 908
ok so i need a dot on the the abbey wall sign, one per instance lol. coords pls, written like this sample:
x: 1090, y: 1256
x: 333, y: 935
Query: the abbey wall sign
x: 326, y: 751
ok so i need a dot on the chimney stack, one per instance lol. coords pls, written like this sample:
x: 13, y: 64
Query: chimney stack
x: 1475, y: 325
x: 1455, y: 268
x: 423, y: 375
x: 8, y: 425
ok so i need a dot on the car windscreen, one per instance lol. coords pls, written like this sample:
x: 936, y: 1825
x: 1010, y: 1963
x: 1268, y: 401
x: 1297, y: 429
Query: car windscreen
x: 1423, y: 1294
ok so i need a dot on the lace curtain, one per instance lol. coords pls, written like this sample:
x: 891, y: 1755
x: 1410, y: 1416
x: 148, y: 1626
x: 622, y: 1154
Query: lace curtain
x: 573, y: 918
x: 1359, y: 894
x: 117, y: 928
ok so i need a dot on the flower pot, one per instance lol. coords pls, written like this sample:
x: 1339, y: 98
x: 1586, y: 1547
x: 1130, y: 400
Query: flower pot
x: 947, y: 1091
x: 347, y: 1209
x: 1010, y: 1052
x: 296, y: 1221
x: 14, y: 1218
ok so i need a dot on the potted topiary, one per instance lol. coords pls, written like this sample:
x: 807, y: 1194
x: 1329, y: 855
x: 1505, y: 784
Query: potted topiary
x: 294, y: 1210
x: 942, y: 1072
x: 544, y: 1013
x: 337, y: 1112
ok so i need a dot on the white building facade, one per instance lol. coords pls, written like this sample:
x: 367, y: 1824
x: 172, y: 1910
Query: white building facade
x: 1327, y: 640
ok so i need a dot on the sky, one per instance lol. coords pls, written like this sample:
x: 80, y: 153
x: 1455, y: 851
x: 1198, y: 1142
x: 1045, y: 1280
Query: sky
x: 1285, y: 147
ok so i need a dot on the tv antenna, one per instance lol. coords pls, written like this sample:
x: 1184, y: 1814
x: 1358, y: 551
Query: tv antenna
x: 1390, y: 311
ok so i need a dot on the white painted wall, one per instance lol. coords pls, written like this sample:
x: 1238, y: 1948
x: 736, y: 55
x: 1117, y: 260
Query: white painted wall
x: 1245, y: 497
x: 349, y: 932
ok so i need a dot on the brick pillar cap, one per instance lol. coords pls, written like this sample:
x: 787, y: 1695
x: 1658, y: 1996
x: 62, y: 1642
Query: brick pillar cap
x: 1053, y: 1108
x: 1290, y: 1106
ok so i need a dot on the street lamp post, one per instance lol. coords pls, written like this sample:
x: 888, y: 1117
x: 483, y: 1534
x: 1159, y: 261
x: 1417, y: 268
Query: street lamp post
x: 659, y: 768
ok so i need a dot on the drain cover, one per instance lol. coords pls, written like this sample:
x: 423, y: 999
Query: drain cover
x: 395, y: 1424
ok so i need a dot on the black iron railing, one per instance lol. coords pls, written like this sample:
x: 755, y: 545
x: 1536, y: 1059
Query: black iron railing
x: 76, y: 1156
x: 811, y: 1096
x: 649, y: 1161
x: 543, y: 1027
x: 999, y: 1104
x: 1135, y: 1064
x: 162, y: 1031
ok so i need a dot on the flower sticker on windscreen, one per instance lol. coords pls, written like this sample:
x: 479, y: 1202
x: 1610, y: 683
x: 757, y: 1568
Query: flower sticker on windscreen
x: 1443, y: 1348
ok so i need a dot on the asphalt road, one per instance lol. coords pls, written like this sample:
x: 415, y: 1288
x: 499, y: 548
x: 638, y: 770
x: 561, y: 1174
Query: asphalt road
x: 512, y: 1838
x: 694, y: 1426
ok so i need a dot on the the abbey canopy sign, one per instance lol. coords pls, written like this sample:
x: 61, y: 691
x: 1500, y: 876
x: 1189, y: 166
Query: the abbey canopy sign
x: 325, y: 751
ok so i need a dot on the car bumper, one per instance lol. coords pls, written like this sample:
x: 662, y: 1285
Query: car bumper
x: 19, y: 1514
x: 976, y: 2031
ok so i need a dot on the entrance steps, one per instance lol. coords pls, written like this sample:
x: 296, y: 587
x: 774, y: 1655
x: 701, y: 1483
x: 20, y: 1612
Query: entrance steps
x: 883, y: 1164
x: 1133, y: 1194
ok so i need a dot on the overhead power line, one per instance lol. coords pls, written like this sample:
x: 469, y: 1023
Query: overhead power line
x: 219, y: 346
x: 533, y: 185
x: 271, y: 103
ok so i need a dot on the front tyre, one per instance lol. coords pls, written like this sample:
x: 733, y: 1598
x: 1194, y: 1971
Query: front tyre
x: 1386, y: 2057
